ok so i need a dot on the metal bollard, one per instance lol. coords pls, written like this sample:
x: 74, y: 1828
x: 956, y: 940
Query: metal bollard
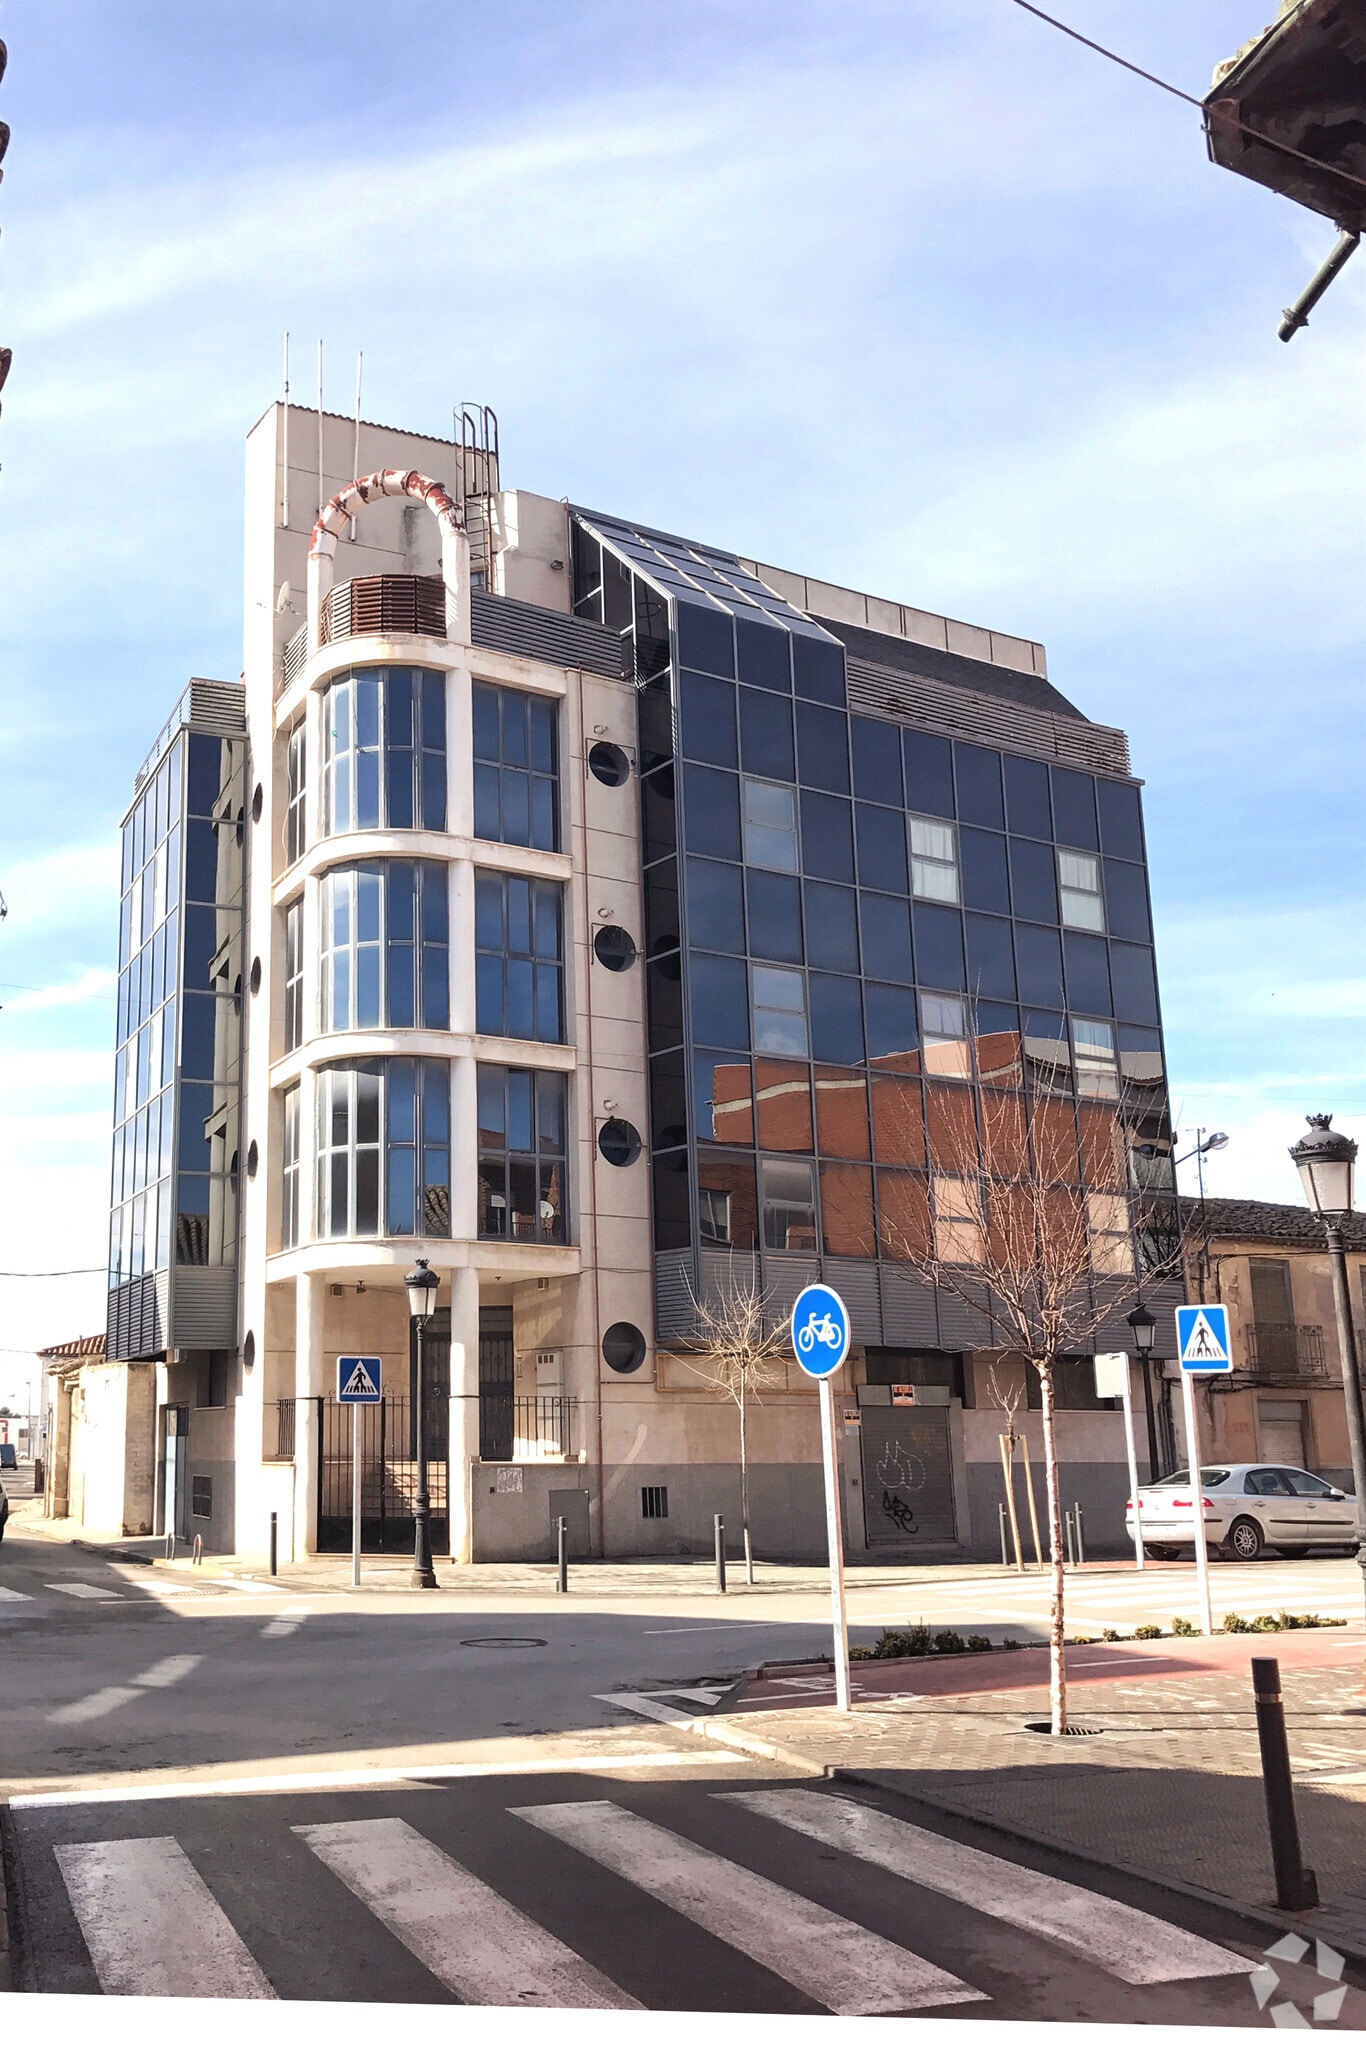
x: 720, y: 1555
x: 170, y: 1546
x: 562, y: 1550
x: 1001, y: 1512
x: 1080, y: 1534
x: 1296, y: 1888
x: 1067, y: 1535
x: 274, y: 1544
x: 198, y: 1551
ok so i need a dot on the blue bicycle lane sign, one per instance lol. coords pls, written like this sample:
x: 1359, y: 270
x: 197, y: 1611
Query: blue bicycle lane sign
x: 820, y: 1331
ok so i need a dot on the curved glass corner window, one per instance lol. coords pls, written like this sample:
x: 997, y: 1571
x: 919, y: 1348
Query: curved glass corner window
x: 523, y: 1119
x: 770, y: 825
x: 384, y: 751
x: 519, y: 955
x: 516, y: 768
x: 934, y: 860
x: 296, y: 783
x: 384, y: 1149
x: 384, y: 946
x: 289, y: 1204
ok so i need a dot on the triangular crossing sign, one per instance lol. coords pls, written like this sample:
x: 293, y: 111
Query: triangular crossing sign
x: 359, y: 1385
x: 1203, y: 1333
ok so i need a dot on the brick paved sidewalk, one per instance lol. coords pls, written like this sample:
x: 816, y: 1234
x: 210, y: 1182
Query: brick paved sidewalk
x: 1169, y: 1789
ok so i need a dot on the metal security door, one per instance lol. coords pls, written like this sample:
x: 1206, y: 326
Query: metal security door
x: 388, y: 1476
x: 175, y: 1503
x: 497, y: 1378
x: 907, y: 1477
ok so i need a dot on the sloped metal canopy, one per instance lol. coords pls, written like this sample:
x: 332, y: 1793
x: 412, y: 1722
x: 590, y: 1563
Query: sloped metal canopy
x: 1300, y: 85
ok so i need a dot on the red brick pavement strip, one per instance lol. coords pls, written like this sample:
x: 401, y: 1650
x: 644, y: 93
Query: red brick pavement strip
x: 1098, y: 1663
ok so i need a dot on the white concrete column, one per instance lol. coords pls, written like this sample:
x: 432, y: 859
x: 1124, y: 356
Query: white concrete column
x: 460, y: 752
x: 462, y: 945
x: 465, y: 1148
x: 308, y: 1384
x: 464, y: 1444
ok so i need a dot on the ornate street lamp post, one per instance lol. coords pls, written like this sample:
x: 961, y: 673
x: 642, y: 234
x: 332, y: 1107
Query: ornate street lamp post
x: 422, y: 1284
x: 1144, y: 1326
x: 1326, y: 1159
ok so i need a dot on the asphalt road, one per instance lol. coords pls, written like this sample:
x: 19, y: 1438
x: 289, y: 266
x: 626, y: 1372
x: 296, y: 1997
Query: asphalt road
x: 692, y: 1885
x: 487, y: 1797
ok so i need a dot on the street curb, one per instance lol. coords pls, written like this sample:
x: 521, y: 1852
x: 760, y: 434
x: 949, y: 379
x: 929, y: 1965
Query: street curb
x: 1259, y: 1920
x: 12, y: 1974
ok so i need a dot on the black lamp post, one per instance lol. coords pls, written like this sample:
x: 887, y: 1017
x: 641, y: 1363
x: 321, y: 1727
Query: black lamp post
x: 1144, y: 1326
x: 1326, y: 1159
x: 422, y: 1284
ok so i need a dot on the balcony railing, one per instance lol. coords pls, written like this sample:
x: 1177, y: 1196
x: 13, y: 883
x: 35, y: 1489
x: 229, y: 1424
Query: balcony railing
x: 283, y: 1447
x: 1285, y: 1348
x: 384, y: 606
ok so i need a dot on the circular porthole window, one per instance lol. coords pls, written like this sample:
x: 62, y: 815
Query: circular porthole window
x: 609, y: 763
x: 623, y: 1347
x: 253, y: 1160
x: 258, y: 798
x: 256, y: 976
x: 249, y: 1350
x: 619, y: 1142
x: 615, y: 948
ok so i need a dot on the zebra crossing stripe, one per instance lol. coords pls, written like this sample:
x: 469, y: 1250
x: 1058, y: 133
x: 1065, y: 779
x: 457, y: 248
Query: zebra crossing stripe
x: 839, y: 1964
x: 472, y: 1939
x: 151, y: 1924
x: 1134, y: 1946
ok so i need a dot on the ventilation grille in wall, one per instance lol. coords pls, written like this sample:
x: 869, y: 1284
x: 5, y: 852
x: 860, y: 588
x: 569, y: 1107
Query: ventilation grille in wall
x: 543, y: 635
x: 973, y: 715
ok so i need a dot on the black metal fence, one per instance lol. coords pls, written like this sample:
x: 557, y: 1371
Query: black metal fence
x: 388, y: 1474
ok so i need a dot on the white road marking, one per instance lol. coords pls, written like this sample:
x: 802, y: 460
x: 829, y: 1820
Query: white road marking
x: 94, y: 1706
x: 473, y: 1940
x: 647, y: 1705
x: 151, y: 1924
x: 169, y: 1671
x: 1132, y: 1945
x: 79, y: 1591
x: 841, y: 1965
x: 286, y: 1622
x: 407, y: 1774
x: 8, y: 1593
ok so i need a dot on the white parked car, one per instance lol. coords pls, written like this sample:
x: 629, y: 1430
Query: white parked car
x: 1248, y: 1508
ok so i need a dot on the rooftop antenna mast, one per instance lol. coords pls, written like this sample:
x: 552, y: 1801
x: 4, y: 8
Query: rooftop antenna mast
x: 355, y: 445
x: 320, y: 424
x: 284, y: 491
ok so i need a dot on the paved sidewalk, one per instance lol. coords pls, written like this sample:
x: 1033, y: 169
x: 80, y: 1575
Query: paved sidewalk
x: 1169, y: 1787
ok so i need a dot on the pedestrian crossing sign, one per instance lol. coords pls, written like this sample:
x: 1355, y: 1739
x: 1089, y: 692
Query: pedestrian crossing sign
x: 1202, y: 1337
x: 359, y: 1380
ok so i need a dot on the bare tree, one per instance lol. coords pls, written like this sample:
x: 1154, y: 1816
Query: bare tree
x: 1027, y: 1215
x: 742, y: 1349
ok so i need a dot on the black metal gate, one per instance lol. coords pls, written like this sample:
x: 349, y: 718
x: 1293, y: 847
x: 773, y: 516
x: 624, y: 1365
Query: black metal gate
x: 497, y: 1384
x: 388, y: 1465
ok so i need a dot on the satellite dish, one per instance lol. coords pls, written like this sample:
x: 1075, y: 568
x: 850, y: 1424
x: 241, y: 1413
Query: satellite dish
x: 282, y: 603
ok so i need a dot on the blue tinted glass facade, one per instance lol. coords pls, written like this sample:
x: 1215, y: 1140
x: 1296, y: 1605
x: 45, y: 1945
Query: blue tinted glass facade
x: 909, y: 883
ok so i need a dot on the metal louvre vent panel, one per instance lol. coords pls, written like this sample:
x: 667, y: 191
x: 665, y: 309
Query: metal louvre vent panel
x: 907, y: 1477
x: 294, y: 657
x: 961, y: 1327
x: 971, y: 714
x: 210, y: 707
x: 855, y: 1281
x: 784, y: 1280
x: 134, y: 1326
x: 385, y: 605
x: 908, y: 1315
x: 674, y: 1312
x: 542, y: 635
x: 204, y: 1308
x: 722, y: 1273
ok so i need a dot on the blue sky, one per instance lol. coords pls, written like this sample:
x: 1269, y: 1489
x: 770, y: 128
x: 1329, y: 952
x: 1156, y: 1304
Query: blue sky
x: 920, y: 297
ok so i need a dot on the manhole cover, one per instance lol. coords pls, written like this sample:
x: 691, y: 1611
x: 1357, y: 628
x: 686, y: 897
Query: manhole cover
x: 1072, y: 1728
x: 503, y: 1642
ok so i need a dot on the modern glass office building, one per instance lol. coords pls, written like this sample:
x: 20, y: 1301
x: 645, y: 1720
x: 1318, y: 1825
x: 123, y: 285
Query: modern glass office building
x: 601, y: 916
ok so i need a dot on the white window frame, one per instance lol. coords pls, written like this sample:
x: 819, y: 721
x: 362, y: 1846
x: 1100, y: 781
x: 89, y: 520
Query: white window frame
x: 1110, y: 1229
x: 767, y: 837
x: 957, y: 1221
x: 775, y: 1018
x: 1081, y: 898
x: 1097, y: 1075
x: 934, y: 859
x: 945, y: 1048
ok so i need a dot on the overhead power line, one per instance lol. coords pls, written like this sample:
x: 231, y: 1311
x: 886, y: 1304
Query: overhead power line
x: 62, y: 1273
x: 1257, y: 134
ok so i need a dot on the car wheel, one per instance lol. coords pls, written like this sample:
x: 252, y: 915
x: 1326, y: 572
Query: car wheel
x: 1245, y: 1540
x: 1162, y: 1552
x: 1296, y: 1550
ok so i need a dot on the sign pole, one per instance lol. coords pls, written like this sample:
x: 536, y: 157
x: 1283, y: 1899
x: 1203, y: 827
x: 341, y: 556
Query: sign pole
x: 1197, y: 1499
x: 834, y: 1536
x: 355, y: 1494
x: 1127, y: 1395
